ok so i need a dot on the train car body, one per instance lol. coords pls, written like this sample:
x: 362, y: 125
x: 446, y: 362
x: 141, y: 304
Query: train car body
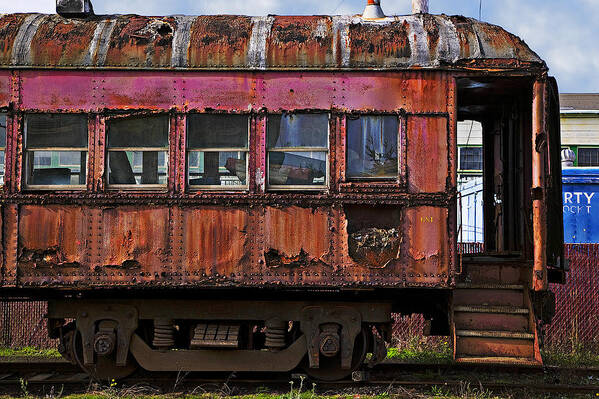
x: 258, y: 192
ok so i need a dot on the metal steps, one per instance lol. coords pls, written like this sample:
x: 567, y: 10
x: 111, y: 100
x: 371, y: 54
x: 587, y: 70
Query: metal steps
x: 492, y: 318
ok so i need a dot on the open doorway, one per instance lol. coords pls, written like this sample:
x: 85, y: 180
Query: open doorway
x: 494, y: 147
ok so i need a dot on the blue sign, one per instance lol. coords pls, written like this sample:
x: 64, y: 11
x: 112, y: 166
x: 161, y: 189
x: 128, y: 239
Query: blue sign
x: 581, y: 205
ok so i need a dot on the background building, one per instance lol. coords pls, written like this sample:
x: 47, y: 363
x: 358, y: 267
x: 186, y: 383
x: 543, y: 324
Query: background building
x: 580, y: 133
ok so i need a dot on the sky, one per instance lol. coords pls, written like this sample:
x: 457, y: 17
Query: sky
x: 565, y: 33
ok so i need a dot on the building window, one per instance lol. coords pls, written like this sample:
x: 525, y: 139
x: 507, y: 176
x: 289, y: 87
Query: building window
x: 297, y: 147
x: 138, y: 152
x: 372, y: 147
x: 588, y: 157
x: 471, y: 159
x: 217, y: 151
x: 51, y: 139
x: 2, y: 146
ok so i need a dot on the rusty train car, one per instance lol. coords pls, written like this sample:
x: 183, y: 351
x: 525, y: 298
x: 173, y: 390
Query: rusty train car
x: 232, y: 193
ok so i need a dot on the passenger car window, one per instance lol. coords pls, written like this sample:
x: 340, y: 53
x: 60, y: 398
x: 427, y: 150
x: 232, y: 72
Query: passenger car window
x: 297, y: 150
x: 2, y: 146
x: 217, y: 150
x: 372, y: 147
x: 138, y: 152
x: 55, y: 150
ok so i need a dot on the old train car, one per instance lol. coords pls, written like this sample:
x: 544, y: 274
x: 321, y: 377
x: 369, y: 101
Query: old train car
x: 261, y: 193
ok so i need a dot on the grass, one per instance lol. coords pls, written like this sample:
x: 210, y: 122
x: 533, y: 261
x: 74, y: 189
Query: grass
x: 421, y: 350
x: 29, y: 351
x: 571, y: 356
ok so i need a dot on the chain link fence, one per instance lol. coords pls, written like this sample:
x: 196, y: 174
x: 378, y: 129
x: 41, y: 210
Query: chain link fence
x: 576, y: 323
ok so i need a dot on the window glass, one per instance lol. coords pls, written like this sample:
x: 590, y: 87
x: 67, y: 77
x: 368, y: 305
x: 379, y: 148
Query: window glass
x: 217, y: 148
x: 372, y: 147
x: 471, y: 158
x: 56, y: 149
x: 138, y: 151
x: 297, y: 149
x: 56, y: 130
x: 588, y: 157
x: 298, y: 130
x: 2, y: 145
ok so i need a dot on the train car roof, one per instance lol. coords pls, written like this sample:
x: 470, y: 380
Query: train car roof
x: 260, y: 43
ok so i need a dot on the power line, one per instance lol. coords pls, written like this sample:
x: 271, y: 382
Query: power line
x: 338, y: 5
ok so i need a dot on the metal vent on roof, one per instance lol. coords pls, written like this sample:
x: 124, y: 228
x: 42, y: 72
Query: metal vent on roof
x: 373, y: 10
x: 74, y: 8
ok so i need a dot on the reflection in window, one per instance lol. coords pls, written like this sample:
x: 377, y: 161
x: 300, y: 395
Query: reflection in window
x: 2, y: 145
x: 297, y: 150
x: 588, y: 157
x: 56, y: 149
x: 372, y: 147
x: 138, y: 151
x: 471, y: 158
x: 217, y: 147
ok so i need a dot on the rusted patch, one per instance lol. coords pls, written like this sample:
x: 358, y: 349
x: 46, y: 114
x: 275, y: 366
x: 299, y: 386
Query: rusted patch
x: 214, y: 240
x: 373, y: 234
x: 432, y: 34
x: 427, y: 154
x: 40, y: 258
x: 300, y: 41
x: 9, y: 27
x: 130, y: 234
x: 141, y: 41
x: 297, y: 236
x: 52, y: 236
x: 425, y: 246
x: 219, y: 40
x: 374, y: 246
x: 372, y: 44
x: 64, y: 40
x: 5, y: 88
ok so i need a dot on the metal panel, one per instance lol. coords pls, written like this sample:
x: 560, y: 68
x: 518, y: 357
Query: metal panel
x: 215, y: 241
x: 52, y: 237
x: 134, y: 239
x: 52, y: 91
x: 296, y: 237
x: 425, y: 248
x: 427, y: 154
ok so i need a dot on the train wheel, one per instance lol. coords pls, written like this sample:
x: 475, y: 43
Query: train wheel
x: 105, y: 369
x: 330, y: 367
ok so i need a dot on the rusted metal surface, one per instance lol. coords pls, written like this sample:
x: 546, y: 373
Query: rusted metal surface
x: 539, y: 217
x: 427, y: 154
x: 272, y: 42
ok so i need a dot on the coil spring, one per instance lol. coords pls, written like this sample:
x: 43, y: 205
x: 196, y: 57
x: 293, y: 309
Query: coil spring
x: 164, y: 334
x: 275, y: 334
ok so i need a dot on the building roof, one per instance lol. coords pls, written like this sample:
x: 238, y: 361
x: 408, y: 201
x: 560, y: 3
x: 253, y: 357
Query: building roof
x: 260, y: 43
x: 579, y: 101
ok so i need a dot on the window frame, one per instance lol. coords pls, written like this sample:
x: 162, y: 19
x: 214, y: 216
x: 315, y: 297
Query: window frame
x: 299, y: 187
x: 213, y: 187
x: 583, y: 147
x: 370, y: 181
x: 167, y: 149
x: 28, y: 152
x: 459, y: 163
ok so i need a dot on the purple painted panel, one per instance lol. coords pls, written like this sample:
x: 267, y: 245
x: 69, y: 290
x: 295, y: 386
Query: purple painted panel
x: 58, y: 90
x: 220, y: 91
x: 135, y: 90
